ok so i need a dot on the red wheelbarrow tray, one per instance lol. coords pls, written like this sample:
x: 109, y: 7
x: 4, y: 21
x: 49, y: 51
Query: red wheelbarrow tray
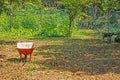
x: 25, y: 48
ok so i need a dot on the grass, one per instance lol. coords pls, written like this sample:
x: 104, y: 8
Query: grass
x: 61, y: 59
x: 83, y: 33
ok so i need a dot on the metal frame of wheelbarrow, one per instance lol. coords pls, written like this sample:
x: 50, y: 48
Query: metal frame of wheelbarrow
x: 25, y: 48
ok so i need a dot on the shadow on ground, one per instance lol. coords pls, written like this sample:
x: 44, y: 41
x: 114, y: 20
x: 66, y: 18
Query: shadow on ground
x: 7, y: 42
x: 15, y: 60
x: 89, y: 56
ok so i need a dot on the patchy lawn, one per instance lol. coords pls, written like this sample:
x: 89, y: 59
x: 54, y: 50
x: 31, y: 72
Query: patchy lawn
x: 61, y: 59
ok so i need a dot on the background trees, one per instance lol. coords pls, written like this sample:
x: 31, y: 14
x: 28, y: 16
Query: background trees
x: 58, y: 17
x: 98, y: 13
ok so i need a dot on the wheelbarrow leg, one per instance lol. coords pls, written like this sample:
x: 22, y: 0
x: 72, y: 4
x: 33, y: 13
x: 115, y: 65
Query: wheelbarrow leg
x: 30, y: 58
x: 20, y: 56
x: 25, y: 57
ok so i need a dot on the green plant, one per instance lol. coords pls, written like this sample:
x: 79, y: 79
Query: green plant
x: 4, y: 23
x: 53, y: 24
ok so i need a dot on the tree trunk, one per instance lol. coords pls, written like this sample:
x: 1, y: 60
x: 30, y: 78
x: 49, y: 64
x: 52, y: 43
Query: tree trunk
x: 11, y: 20
x: 69, y: 28
x: 107, y: 21
x: 94, y: 11
x: 11, y: 14
x: 23, y: 6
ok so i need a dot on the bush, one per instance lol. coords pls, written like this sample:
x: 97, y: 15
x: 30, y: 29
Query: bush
x: 4, y: 23
x: 51, y: 23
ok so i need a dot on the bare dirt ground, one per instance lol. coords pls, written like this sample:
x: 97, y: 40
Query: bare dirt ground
x: 61, y: 59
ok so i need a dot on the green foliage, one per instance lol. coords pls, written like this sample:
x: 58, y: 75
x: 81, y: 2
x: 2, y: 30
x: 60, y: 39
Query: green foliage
x: 27, y: 21
x: 99, y: 24
x: 35, y: 21
x: 110, y: 4
x: 53, y: 23
x: 74, y: 9
x: 102, y: 16
x: 1, y: 6
x: 4, y: 23
x: 26, y: 24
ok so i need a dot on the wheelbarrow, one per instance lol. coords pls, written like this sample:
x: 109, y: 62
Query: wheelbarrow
x: 25, y: 48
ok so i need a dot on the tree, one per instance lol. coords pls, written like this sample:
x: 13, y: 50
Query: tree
x: 100, y: 12
x: 74, y: 8
x: 7, y: 6
x: 11, y: 11
x: 108, y: 6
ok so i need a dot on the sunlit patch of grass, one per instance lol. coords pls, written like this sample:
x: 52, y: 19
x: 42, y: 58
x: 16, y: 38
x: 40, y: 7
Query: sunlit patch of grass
x: 83, y: 34
x: 31, y: 67
x: 55, y: 42
x: 17, y: 33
